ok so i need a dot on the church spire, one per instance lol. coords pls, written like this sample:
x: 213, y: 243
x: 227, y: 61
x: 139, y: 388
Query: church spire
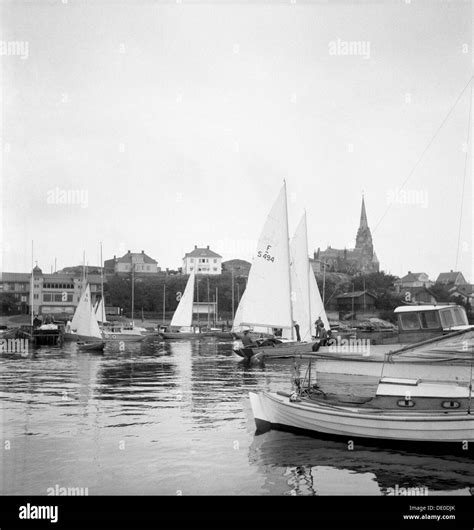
x: 363, y: 215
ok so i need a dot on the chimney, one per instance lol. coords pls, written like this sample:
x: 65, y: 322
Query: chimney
x: 207, y: 247
x: 409, y: 272
x: 451, y: 270
x: 129, y: 251
x: 143, y: 252
x: 195, y: 247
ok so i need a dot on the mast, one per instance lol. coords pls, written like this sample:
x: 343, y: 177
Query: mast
x: 310, y: 271
x: 31, y: 287
x: 164, y: 302
x: 287, y: 240
x: 102, y: 317
x: 133, y: 291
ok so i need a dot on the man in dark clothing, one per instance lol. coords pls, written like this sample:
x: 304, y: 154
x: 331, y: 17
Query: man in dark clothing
x: 246, y: 339
x: 319, y: 323
x: 297, y: 329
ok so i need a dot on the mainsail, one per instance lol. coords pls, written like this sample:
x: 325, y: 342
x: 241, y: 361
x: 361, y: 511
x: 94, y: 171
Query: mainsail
x: 100, y: 311
x: 183, y: 316
x: 267, y: 296
x: 300, y: 291
x: 317, y: 307
x: 84, y: 321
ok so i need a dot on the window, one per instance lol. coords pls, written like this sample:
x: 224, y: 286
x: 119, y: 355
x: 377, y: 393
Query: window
x: 192, y: 260
x: 36, y: 296
x: 215, y: 260
x: 214, y: 269
x: 46, y: 297
x: 409, y: 321
x: 460, y: 318
x: 429, y: 320
x: 447, y: 320
x: 191, y: 268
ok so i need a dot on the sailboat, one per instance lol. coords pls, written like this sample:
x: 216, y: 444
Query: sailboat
x: 87, y: 329
x: 281, y: 289
x: 183, y: 318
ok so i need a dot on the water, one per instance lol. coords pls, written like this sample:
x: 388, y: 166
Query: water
x: 175, y: 419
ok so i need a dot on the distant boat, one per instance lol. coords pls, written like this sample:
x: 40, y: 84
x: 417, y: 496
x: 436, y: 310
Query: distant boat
x: 87, y: 330
x: 401, y: 410
x: 183, y: 318
x: 100, y: 311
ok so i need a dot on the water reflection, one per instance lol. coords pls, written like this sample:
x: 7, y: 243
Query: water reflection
x: 301, y: 465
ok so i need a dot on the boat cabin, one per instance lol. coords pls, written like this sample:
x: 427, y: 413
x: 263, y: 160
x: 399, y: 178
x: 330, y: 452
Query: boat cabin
x: 422, y: 322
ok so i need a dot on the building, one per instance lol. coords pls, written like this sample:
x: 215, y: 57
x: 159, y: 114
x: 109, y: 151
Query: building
x: 361, y: 259
x: 202, y: 261
x: 451, y: 278
x: 57, y: 293
x: 417, y: 295
x: 141, y: 263
x: 239, y: 267
x: 463, y: 291
x: 357, y: 302
x: 413, y: 279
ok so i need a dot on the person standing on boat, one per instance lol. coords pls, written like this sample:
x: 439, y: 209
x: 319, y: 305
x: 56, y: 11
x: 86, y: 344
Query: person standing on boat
x: 319, y: 324
x: 297, y: 329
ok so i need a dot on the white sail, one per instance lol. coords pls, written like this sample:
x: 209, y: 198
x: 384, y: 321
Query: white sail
x: 300, y: 290
x: 100, y: 311
x: 84, y: 321
x: 317, y: 308
x: 183, y: 316
x: 267, y: 296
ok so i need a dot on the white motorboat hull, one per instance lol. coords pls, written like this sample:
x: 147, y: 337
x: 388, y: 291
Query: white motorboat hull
x: 277, y: 410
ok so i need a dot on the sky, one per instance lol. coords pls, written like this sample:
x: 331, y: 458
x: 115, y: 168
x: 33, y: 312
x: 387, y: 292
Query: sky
x: 158, y: 126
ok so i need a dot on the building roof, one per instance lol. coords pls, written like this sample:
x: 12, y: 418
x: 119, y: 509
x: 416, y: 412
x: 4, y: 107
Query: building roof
x: 412, y: 277
x: 202, y: 253
x: 356, y: 294
x: 236, y: 263
x: 448, y: 277
x: 127, y: 258
x: 465, y: 288
x: 15, y: 276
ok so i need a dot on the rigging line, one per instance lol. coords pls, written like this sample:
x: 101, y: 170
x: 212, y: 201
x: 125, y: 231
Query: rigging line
x: 464, y: 180
x: 426, y: 148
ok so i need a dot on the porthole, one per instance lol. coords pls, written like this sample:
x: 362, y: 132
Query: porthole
x: 405, y: 403
x: 450, y: 404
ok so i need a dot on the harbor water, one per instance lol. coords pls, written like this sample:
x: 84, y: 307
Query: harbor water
x: 174, y: 419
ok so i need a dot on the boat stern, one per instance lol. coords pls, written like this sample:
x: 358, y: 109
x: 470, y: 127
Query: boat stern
x: 262, y: 421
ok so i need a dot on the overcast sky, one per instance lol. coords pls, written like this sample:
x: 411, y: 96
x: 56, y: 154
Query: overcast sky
x: 178, y: 122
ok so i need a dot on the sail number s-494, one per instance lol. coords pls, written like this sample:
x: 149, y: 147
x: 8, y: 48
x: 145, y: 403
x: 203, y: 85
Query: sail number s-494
x: 266, y: 254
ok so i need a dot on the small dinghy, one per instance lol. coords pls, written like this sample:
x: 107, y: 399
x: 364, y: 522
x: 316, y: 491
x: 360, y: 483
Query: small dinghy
x: 408, y: 410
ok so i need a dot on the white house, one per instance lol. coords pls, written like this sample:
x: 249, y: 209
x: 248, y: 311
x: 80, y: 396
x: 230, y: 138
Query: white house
x: 202, y: 261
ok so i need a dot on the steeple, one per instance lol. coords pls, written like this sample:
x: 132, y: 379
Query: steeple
x: 364, y: 238
x: 363, y: 215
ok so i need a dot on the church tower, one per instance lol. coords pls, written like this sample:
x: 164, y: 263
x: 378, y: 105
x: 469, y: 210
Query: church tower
x: 368, y: 260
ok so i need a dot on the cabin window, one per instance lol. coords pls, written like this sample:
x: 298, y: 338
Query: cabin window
x: 409, y: 321
x: 429, y: 320
x: 405, y: 403
x: 460, y: 318
x: 450, y: 404
x: 447, y: 320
